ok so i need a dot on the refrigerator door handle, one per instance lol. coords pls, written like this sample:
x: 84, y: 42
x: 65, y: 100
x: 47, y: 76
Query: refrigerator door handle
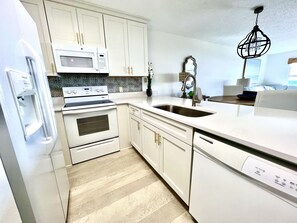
x: 36, y: 69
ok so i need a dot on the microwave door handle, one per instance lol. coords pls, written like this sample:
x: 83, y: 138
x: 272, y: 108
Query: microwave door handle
x: 44, y: 99
x: 96, y: 61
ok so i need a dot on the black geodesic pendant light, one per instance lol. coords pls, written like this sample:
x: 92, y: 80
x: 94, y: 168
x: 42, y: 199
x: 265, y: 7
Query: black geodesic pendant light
x: 256, y: 43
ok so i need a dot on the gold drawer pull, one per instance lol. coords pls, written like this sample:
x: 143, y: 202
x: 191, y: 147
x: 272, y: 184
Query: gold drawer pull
x: 77, y: 38
x: 159, y: 139
x: 82, y: 39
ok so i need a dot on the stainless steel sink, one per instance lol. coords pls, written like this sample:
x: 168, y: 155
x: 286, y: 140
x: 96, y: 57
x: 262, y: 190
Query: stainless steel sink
x: 183, y: 111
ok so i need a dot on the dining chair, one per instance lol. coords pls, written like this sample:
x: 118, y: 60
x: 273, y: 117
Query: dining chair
x: 279, y: 99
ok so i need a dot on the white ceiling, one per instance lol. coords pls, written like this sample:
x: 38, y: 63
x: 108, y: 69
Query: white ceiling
x: 219, y: 21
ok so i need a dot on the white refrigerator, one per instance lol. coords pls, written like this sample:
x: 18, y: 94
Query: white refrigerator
x: 32, y: 159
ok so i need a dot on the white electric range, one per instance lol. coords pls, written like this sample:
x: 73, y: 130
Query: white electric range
x: 90, y: 121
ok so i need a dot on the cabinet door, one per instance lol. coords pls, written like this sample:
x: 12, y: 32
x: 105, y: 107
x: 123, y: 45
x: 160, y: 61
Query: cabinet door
x: 175, y: 166
x: 137, y: 36
x: 135, y: 125
x: 150, y: 148
x: 124, y: 126
x: 62, y: 23
x: 36, y: 11
x: 91, y: 28
x: 117, y: 45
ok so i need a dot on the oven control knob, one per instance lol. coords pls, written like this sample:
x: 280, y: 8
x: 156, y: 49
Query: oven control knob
x: 68, y: 92
x: 74, y: 92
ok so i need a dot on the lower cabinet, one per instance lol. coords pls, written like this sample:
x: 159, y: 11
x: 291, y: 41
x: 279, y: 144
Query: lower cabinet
x: 150, y: 147
x: 123, y: 126
x: 175, y: 164
x: 167, y: 154
x: 135, y: 126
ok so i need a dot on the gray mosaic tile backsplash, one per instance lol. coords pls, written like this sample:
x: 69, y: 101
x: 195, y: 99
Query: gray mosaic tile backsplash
x: 129, y: 84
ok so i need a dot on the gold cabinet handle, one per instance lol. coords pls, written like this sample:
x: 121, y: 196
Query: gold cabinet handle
x: 128, y: 70
x: 155, y: 137
x: 132, y: 70
x: 82, y: 38
x: 159, y: 139
x: 77, y: 38
x: 138, y: 125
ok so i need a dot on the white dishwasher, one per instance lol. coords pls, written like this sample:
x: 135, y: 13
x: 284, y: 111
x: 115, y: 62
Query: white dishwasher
x: 232, y: 185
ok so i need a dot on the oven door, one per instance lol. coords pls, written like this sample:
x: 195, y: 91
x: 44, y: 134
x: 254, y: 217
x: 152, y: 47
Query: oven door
x: 89, y: 125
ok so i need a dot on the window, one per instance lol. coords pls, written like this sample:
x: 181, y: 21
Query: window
x: 253, y: 70
x: 292, y: 80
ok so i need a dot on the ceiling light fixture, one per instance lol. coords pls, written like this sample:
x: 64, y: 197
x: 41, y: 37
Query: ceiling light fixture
x: 256, y: 43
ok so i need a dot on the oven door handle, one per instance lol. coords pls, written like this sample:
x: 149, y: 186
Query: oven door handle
x: 88, y: 110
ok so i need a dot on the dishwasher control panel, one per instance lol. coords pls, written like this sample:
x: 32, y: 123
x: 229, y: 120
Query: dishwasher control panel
x: 271, y: 175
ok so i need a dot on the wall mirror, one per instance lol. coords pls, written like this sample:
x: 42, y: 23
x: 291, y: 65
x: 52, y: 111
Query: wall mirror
x: 190, y: 66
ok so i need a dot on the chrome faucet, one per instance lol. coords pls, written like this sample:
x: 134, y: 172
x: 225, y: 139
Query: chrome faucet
x: 194, y: 101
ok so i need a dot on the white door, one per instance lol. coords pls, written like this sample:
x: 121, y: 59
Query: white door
x: 175, y: 165
x: 117, y: 45
x: 150, y: 148
x: 91, y: 28
x: 137, y: 36
x: 62, y: 23
x: 135, y: 126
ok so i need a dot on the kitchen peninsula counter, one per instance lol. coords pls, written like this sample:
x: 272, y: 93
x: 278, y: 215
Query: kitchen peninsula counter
x: 271, y: 131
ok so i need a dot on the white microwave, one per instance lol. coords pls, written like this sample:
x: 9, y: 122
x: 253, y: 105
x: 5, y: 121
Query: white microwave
x: 80, y: 59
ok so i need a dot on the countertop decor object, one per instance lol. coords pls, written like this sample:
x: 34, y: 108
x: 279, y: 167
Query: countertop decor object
x: 256, y: 43
x: 247, y: 95
x: 149, y: 91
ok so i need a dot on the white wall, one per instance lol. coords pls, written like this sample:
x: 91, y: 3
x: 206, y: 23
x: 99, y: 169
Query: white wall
x: 217, y: 65
x: 276, y: 68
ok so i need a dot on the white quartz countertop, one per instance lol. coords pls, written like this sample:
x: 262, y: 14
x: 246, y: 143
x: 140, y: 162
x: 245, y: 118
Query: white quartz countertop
x: 271, y: 131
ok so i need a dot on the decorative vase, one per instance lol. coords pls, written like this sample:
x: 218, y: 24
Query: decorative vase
x: 149, y: 92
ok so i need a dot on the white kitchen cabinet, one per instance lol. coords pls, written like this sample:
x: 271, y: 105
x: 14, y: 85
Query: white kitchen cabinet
x: 167, y: 151
x: 126, y: 42
x: 36, y: 10
x: 150, y: 148
x: 62, y: 137
x: 71, y: 25
x: 123, y: 124
x: 135, y: 128
x: 175, y: 165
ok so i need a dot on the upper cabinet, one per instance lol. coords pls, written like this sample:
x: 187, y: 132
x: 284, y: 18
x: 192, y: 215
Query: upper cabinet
x: 71, y: 25
x: 83, y: 24
x: 126, y: 42
x: 36, y: 10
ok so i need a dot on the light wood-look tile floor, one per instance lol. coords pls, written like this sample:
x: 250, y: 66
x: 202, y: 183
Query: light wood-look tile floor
x: 122, y: 188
